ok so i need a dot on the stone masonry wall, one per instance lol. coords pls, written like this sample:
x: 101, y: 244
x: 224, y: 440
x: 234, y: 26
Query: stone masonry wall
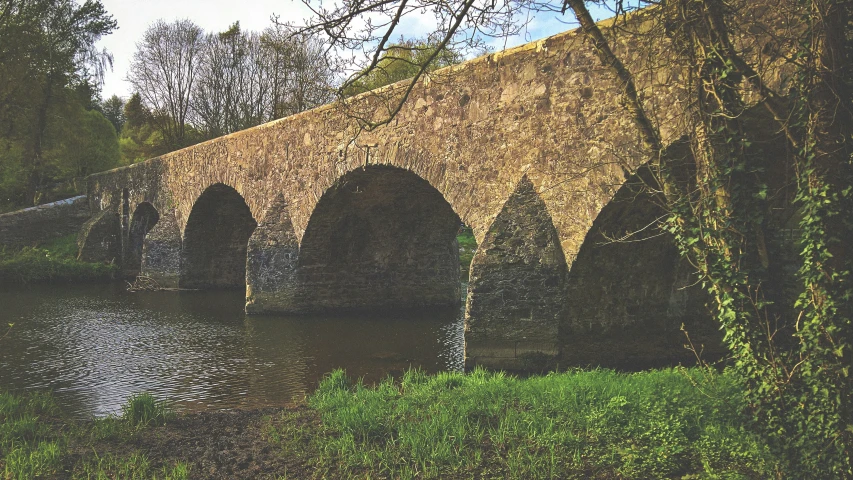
x: 35, y: 225
x: 381, y: 238
x: 541, y: 121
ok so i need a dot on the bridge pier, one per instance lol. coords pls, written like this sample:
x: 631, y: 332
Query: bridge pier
x: 271, y: 262
x: 144, y: 218
x: 516, y: 294
x: 161, y: 252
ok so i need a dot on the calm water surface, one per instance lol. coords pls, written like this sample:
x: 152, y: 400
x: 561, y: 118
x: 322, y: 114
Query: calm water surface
x: 94, y: 345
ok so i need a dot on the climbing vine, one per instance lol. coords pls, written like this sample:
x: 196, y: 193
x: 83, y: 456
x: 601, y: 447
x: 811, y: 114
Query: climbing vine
x: 796, y: 360
x: 794, y: 351
x: 824, y: 114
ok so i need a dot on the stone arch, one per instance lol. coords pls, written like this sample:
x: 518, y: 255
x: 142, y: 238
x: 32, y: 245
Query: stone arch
x: 216, y: 239
x: 516, y: 293
x: 380, y: 237
x: 144, y: 217
x: 629, y: 292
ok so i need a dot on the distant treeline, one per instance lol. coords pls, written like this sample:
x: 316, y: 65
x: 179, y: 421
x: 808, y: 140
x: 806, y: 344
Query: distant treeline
x: 193, y: 86
x: 190, y: 86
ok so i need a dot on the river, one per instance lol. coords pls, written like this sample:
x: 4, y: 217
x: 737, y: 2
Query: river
x: 95, y: 345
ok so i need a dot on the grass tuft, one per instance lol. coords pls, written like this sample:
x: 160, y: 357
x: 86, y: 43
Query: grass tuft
x: 143, y: 409
x: 135, y: 466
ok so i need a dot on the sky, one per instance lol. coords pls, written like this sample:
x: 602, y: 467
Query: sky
x: 134, y: 16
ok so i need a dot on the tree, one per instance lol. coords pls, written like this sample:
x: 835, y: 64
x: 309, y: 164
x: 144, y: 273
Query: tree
x: 795, y: 355
x: 134, y: 112
x: 139, y: 138
x: 79, y: 141
x: 163, y: 71
x: 46, y: 49
x: 248, y: 78
x: 402, y: 61
x: 200, y: 85
x: 301, y: 73
x: 113, y: 109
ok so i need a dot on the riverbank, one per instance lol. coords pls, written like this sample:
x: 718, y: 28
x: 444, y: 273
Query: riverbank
x: 53, y: 261
x: 583, y: 424
x: 56, y: 261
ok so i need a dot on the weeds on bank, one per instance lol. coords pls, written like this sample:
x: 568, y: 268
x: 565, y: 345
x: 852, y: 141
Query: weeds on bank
x: 134, y: 466
x: 35, y: 443
x: 581, y: 424
x: 53, y: 261
x: 143, y: 409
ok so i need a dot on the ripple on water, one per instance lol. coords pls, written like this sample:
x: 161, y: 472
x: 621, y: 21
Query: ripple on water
x: 96, y: 345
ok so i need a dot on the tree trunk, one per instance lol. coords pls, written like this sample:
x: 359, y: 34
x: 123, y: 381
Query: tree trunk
x: 36, y: 164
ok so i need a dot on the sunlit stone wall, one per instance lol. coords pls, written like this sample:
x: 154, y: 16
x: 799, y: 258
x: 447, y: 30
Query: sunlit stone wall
x: 539, y: 123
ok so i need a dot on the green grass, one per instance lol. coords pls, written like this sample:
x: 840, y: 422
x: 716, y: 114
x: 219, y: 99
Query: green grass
x: 35, y: 441
x: 132, y: 467
x: 53, y: 261
x: 673, y: 423
x: 583, y: 424
x: 467, y: 247
x: 143, y: 409
x: 28, y: 448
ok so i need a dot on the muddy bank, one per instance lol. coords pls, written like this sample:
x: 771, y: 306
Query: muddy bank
x: 215, y: 445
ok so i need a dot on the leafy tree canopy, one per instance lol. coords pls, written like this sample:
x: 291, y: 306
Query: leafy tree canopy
x: 402, y: 61
x: 50, y: 74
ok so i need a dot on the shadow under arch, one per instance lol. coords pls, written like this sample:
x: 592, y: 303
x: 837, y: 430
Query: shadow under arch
x: 380, y: 237
x: 629, y: 293
x: 144, y: 217
x: 216, y: 239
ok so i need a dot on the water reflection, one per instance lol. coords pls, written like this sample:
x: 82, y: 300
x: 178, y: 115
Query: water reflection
x: 95, y: 345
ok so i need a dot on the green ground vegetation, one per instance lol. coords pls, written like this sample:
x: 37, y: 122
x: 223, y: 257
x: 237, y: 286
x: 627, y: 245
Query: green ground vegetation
x: 53, y: 261
x: 673, y: 423
x: 35, y: 442
x: 467, y: 247
x: 678, y: 423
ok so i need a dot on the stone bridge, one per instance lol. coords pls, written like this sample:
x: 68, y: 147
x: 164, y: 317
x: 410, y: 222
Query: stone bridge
x: 528, y: 147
